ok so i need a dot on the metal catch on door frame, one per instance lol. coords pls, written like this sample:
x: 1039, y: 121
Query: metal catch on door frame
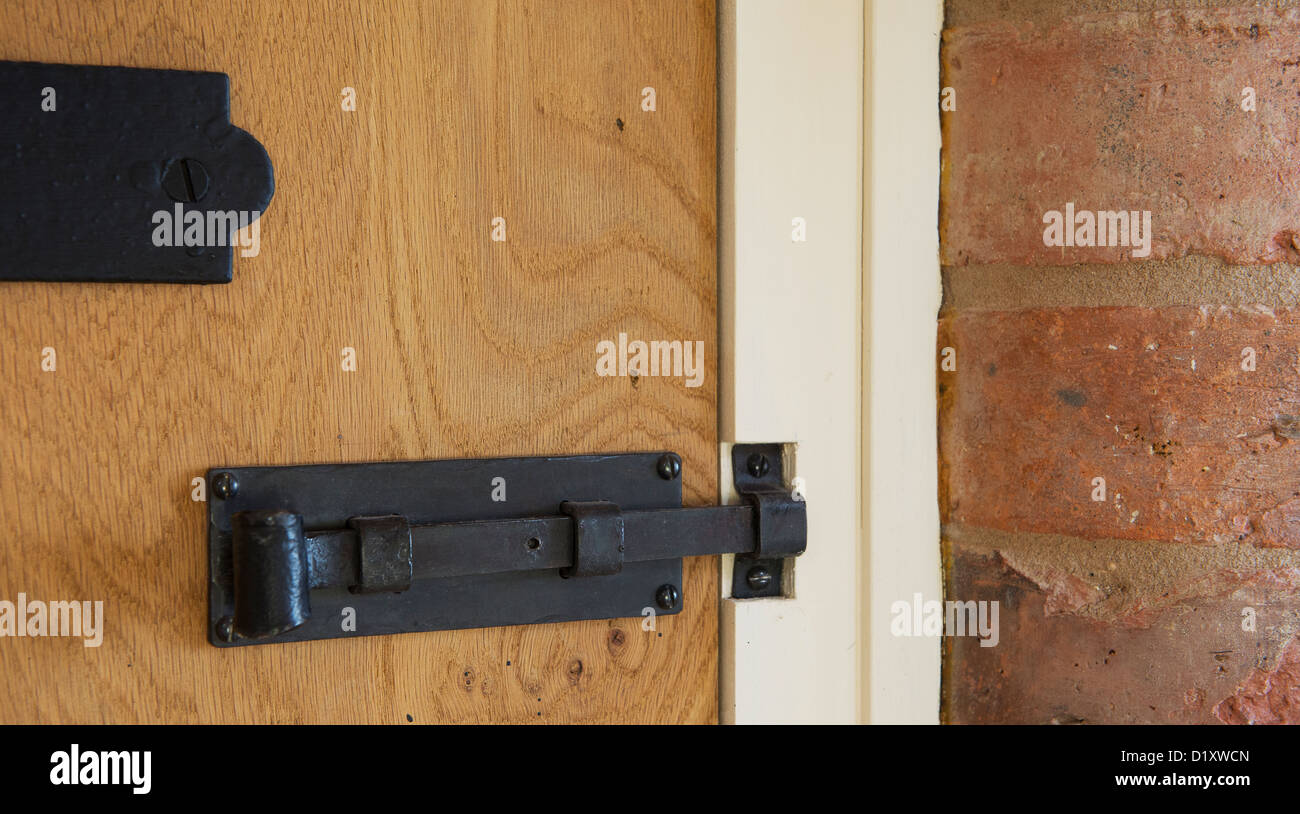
x: 339, y: 550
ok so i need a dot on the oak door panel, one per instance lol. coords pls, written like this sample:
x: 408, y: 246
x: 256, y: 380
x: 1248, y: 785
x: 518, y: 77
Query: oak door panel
x: 378, y: 239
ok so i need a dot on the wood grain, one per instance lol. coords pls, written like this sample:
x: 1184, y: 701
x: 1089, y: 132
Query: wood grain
x: 379, y: 239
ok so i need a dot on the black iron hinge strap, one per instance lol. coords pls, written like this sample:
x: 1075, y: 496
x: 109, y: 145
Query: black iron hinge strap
x: 440, y: 550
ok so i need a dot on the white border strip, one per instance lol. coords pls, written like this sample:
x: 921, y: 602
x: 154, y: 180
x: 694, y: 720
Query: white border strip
x: 901, y: 247
x: 790, y: 92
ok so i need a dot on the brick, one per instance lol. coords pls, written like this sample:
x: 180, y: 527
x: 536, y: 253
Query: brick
x: 1268, y: 696
x: 1124, y: 111
x: 1132, y: 583
x: 1193, y: 449
x: 1193, y: 665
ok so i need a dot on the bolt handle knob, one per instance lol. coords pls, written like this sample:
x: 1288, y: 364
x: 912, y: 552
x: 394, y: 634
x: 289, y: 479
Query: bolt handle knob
x: 271, y: 573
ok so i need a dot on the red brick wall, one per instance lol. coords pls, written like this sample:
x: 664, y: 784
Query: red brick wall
x: 1173, y: 375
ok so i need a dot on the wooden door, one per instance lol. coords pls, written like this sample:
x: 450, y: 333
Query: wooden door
x: 379, y: 239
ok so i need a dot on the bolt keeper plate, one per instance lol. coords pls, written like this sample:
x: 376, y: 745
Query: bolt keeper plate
x: 758, y: 470
x: 329, y: 496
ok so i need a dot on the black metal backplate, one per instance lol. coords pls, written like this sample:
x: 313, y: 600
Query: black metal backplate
x: 448, y: 491
x: 90, y: 155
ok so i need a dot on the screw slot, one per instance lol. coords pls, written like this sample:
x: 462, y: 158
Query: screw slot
x: 185, y: 180
x: 669, y: 466
x: 225, y: 629
x: 758, y: 465
x: 224, y: 485
x: 667, y: 597
x: 758, y: 578
x: 533, y: 544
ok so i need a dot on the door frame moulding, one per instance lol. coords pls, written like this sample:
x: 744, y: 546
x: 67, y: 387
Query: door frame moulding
x: 900, y: 505
x: 827, y: 343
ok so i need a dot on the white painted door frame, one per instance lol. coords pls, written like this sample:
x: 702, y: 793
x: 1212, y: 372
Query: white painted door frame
x: 829, y: 130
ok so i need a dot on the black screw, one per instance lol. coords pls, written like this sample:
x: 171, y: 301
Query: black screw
x: 667, y: 596
x: 670, y: 466
x: 758, y: 578
x: 226, y: 629
x: 185, y: 180
x: 224, y: 485
x: 757, y: 464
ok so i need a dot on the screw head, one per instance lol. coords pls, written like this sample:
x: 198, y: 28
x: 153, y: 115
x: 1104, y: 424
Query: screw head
x: 667, y: 597
x: 185, y: 180
x: 225, y: 629
x: 670, y: 466
x: 758, y: 465
x: 758, y: 578
x: 224, y: 485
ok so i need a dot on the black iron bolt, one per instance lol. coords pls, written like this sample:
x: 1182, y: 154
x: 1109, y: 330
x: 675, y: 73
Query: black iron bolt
x: 185, y: 180
x: 670, y: 466
x: 226, y: 629
x: 667, y: 597
x: 224, y: 485
x: 758, y: 578
x: 758, y: 464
